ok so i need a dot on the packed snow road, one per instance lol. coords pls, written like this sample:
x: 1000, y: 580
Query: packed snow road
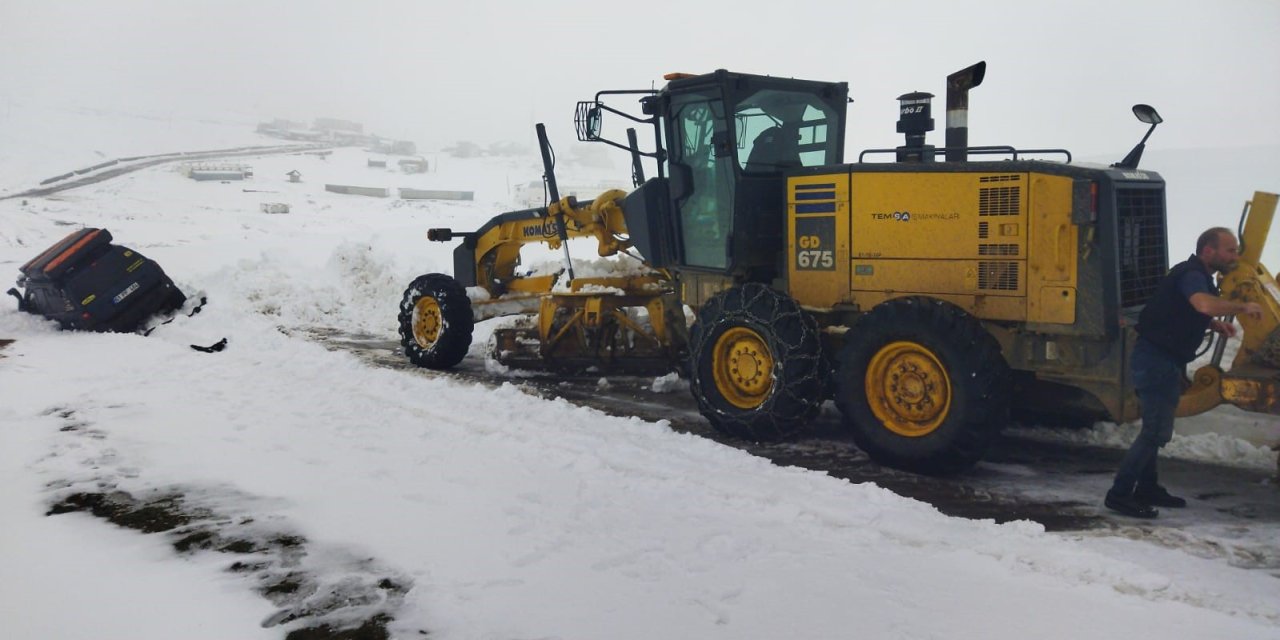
x: 1233, y: 514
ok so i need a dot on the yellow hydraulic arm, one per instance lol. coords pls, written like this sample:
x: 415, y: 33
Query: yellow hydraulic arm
x: 1253, y: 381
x: 497, y: 244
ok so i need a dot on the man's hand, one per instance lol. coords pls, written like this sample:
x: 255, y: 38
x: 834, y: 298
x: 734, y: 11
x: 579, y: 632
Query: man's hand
x: 1253, y: 310
x: 1225, y: 328
x: 1214, y: 307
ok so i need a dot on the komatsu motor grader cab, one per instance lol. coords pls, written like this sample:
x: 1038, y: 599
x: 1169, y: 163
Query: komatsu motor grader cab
x: 929, y: 291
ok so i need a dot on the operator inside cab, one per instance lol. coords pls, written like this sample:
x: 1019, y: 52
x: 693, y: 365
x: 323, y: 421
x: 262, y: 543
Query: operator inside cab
x: 775, y: 149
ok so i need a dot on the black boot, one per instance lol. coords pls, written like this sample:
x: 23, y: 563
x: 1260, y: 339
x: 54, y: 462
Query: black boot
x: 1157, y: 496
x: 1129, y: 506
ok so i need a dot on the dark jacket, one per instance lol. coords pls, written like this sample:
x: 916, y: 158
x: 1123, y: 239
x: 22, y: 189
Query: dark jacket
x: 1169, y: 321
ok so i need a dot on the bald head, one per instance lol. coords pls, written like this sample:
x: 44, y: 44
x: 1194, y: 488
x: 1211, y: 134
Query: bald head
x: 1212, y: 238
x: 1218, y: 249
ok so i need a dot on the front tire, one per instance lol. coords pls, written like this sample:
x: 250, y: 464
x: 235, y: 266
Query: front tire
x: 435, y: 321
x: 922, y: 386
x: 755, y: 364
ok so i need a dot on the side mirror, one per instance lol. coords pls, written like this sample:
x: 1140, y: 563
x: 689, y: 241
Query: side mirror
x: 1147, y: 114
x: 588, y: 120
x: 593, y: 123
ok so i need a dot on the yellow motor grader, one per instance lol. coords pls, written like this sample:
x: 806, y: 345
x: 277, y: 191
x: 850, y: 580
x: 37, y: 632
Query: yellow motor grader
x: 930, y: 292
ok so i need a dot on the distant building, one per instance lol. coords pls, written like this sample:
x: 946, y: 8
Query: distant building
x: 413, y: 165
x: 393, y: 147
x: 349, y: 138
x: 215, y: 171
x: 216, y: 176
x: 281, y: 123
x: 281, y: 128
x: 376, y: 192
x: 334, y: 124
x: 286, y: 130
x: 436, y: 194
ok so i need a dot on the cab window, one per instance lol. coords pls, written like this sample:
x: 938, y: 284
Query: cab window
x: 778, y: 130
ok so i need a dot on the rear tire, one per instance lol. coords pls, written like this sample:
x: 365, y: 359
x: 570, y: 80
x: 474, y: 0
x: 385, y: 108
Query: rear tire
x: 435, y: 321
x: 755, y: 364
x: 922, y: 386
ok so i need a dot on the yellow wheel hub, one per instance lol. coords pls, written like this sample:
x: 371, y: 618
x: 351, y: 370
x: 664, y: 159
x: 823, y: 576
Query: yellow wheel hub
x: 743, y: 368
x: 908, y: 389
x: 427, y: 322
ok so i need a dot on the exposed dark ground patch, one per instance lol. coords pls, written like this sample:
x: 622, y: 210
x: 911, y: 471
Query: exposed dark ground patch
x: 356, y: 602
x: 159, y: 514
x: 374, y: 628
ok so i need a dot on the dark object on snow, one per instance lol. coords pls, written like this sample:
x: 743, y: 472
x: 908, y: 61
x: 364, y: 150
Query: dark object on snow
x: 84, y: 282
x: 213, y: 348
x: 190, y: 314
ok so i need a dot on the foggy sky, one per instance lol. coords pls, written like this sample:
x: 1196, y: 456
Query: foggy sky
x: 1058, y: 74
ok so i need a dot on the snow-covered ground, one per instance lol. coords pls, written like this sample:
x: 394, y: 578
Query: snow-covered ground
x: 459, y: 510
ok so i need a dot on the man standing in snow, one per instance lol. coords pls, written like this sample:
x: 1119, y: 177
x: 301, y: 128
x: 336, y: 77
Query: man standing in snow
x: 1170, y: 330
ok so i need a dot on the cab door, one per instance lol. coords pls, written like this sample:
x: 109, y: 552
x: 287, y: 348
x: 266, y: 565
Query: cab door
x: 701, y: 151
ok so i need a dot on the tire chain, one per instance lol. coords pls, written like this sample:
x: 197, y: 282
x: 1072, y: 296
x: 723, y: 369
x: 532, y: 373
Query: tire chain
x: 793, y: 403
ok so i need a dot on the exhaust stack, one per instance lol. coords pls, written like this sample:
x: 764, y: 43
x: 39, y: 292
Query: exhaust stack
x: 958, y: 86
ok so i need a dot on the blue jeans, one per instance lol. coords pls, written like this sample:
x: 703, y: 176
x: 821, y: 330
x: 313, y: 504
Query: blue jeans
x: 1157, y: 378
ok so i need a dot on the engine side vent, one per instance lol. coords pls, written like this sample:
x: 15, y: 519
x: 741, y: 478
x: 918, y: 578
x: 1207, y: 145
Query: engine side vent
x: 1005, y: 178
x: 997, y: 249
x: 997, y: 275
x: 1144, y: 257
x: 999, y: 201
x: 984, y: 230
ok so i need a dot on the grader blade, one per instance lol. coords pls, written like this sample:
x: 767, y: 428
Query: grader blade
x: 581, y: 331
